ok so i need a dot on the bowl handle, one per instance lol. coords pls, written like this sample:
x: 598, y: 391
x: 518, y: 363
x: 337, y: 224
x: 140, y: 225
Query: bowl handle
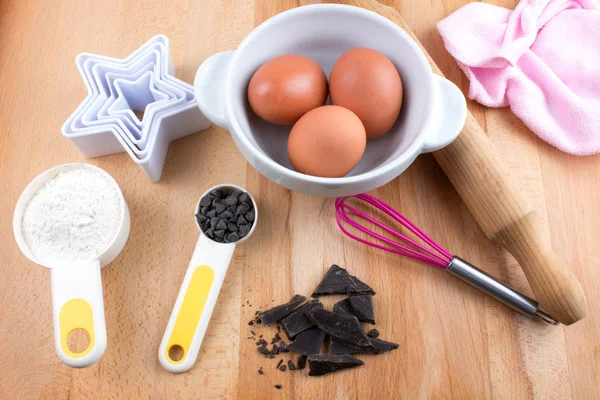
x: 209, y: 86
x: 78, y: 304
x: 449, y: 115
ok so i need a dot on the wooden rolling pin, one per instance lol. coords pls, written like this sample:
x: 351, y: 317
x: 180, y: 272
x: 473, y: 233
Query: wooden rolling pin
x: 501, y: 209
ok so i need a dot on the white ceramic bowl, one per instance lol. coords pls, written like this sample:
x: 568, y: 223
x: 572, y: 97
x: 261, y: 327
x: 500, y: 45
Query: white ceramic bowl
x: 433, y: 111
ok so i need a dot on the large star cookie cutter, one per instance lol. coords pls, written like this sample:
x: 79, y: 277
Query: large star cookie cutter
x: 106, y: 121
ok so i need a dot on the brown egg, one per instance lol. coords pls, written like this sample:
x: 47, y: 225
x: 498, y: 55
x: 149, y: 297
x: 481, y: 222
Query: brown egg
x: 327, y: 141
x: 367, y: 83
x: 287, y: 87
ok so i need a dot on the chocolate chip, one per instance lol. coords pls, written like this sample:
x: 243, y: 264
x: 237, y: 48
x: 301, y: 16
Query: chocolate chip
x: 231, y: 227
x: 211, y: 214
x: 250, y: 215
x: 213, y: 222
x: 233, y: 237
x: 244, y: 230
x: 222, y: 225
x: 204, y: 210
x: 242, y: 221
x: 218, y: 239
x: 219, y: 233
x: 216, y: 193
x: 231, y: 209
x: 215, y: 202
x: 242, y: 209
x: 230, y: 200
x: 236, y: 193
x: 210, y: 233
x: 205, y: 201
x: 243, y: 197
x: 226, y: 214
x: 219, y: 208
x: 200, y: 218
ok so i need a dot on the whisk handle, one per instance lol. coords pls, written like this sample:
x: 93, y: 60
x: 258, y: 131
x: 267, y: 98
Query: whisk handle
x: 496, y: 289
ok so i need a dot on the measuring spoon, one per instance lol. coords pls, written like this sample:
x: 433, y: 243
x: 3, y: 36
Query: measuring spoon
x: 198, y: 295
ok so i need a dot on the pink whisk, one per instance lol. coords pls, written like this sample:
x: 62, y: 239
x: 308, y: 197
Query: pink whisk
x: 430, y: 252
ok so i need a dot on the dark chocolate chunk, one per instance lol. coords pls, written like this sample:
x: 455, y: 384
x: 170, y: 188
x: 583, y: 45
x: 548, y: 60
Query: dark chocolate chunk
x: 321, y: 364
x: 205, y: 201
x: 219, y: 208
x: 278, y: 313
x: 308, y: 342
x: 250, y: 215
x: 291, y: 365
x: 282, y: 368
x: 233, y: 237
x: 363, y: 307
x: 338, y: 281
x: 231, y: 227
x: 211, y: 214
x: 378, y: 346
x: 260, y: 371
x: 242, y: 221
x: 343, y: 307
x: 278, y: 387
x: 221, y: 225
x: 297, y: 321
x: 301, y: 362
x: 342, y: 327
x: 279, y: 363
x: 276, y: 338
x: 283, y: 347
x: 219, y: 233
x: 374, y: 333
x: 243, y: 197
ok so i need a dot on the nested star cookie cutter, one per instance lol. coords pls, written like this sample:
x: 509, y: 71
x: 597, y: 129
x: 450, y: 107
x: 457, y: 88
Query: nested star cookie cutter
x: 105, y: 122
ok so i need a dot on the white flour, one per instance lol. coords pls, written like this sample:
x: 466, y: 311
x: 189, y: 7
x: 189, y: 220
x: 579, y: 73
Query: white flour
x: 74, y: 216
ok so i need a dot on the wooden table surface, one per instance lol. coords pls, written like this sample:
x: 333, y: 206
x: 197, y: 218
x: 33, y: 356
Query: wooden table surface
x: 454, y: 342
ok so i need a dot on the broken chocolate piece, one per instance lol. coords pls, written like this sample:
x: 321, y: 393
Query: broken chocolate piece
x: 373, y: 333
x: 279, y: 363
x: 347, y: 329
x: 378, y: 346
x: 282, y: 368
x: 321, y: 364
x: 363, y: 308
x: 338, y: 281
x: 276, y: 338
x: 297, y: 322
x: 343, y: 307
x: 291, y: 365
x: 283, y: 347
x: 278, y: 313
x: 301, y: 362
x: 308, y: 342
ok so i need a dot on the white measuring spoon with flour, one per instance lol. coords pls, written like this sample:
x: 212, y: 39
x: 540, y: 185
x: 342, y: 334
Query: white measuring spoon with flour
x: 74, y: 220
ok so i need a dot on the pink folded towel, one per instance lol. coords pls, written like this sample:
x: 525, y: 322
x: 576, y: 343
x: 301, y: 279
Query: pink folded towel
x: 542, y: 60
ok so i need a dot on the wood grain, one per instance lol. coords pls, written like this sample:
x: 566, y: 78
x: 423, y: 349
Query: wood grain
x: 455, y: 342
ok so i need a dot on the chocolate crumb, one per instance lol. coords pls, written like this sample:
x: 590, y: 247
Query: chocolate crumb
x: 291, y: 365
x: 277, y: 386
x: 251, y: 323
x: 373, y: 333
x: 282, y: 367
x: 260, y: 371
x: 279, y: 363
x: 252, y: 332
x: 276, y: 338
